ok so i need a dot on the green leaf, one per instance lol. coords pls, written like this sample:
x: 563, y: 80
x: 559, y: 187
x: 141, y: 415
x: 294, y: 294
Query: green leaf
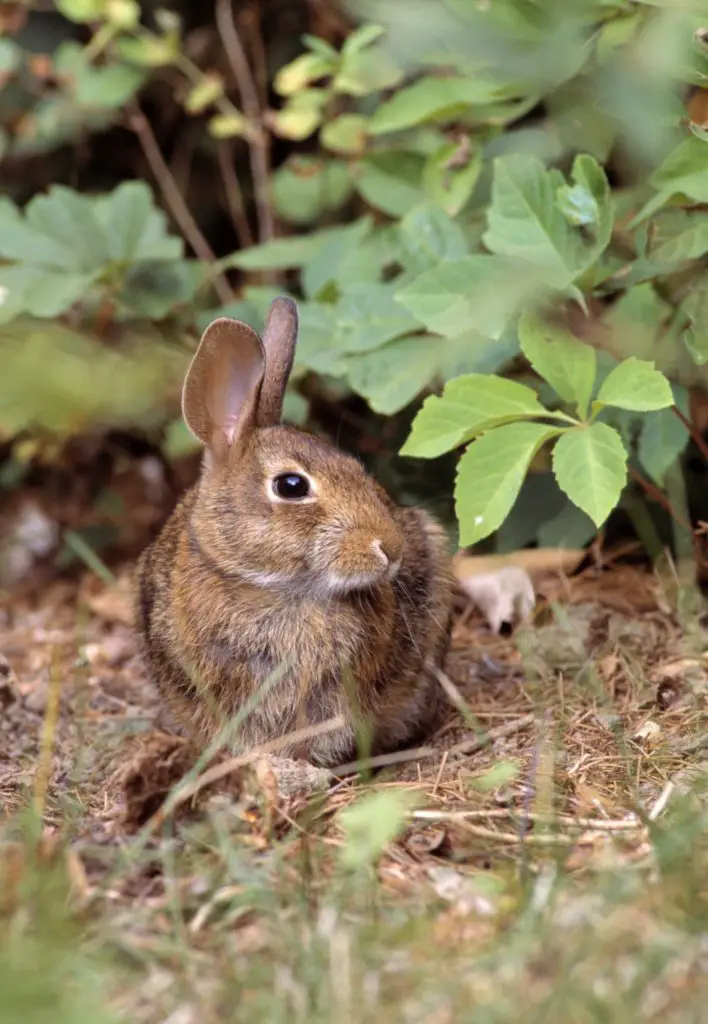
x: 429, y: 236
x: 468, y: 405
x: 368, y: 315
x: 391, y: 182
x: 107, y: 87
x: 81, y: 11
x: 590, y: 464
x: 484, y: 292
x: 41, y: 291
x: 332, y: 262
x: 490, y: 475
x: 301, y: 115
x: 393, y: 375
x: 227, y: 126
x: 345, y: 134
x: 525, y: 221
x: 636, y: 385
x: 302, y: 71
x: 136, y: 230
x: 371, y: 823
x: 689, y: 244
x: 432, y: 98
x: 362, y: 37
x: 280, y: 254
x: 207, y: 90
x: 663, y: 437
x: 682, y: 173
x: 449, y: 179
x: 153, y: 290
x: 566, y: 363
x: 70, y: 219
x: 22, y: 242
x: 365, y: 71
x: 306, y: 188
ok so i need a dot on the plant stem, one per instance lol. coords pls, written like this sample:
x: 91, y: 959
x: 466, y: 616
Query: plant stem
x: 173, y: 197
x: 258, y: 143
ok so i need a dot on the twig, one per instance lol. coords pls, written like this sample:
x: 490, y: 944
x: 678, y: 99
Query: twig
x: 501, y: 732
x: 653, y: 492
x: 544, y: 839
x: 617, y: 825
x: 421, y: 753
x: 258, y: 142
x: 220, y: 771
x: 173, y: 197
x: 234, y: 195
x: 693, y: 431
x: 660, y: 805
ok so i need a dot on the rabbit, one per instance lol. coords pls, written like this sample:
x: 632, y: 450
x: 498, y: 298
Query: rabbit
x: 286, y: 579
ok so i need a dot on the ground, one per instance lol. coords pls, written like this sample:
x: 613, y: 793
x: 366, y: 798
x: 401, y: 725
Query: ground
x: 545, y: 856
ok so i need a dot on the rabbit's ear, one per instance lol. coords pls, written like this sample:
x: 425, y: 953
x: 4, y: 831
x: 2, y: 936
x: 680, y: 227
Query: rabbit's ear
x: 220, y: 392
x: 279, y: 340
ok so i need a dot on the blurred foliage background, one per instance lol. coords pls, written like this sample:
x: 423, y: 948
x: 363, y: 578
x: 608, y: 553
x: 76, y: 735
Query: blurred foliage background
x: 417, y: 173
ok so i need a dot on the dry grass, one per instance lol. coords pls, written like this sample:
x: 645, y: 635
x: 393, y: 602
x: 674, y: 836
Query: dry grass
x: 545, y: 857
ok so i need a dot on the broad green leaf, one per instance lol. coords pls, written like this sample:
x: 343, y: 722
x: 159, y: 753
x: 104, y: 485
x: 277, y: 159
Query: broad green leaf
x: 481, y: 292
x: 70, y: 219
x: 24, y: 243
x: 663, y: 437
x: 301, y: 115
x: 432, y: 98
x: 450, y: 181
x: 366, y: 71
x: 577, y: 205
x: 682, y: 173
x: 335, y: 257
x: 393, y: 375
x: 391, y: 182
x: 525, y: 221
x: 490, y: 475
x: 41, y: 291
x: 368, y: 315
x: 590, y: 464
x: 468, y: 405
x: 636, y: 385
x: 695, y: 336
x: 345, y: 134
x: 136, y: 229
x: 154, y: 290
x: 689, y: 244
x: 566, y: 363
x: 429, y: 236
x: 108, y: 87
x: 306, y: 188
x: 280, y: 254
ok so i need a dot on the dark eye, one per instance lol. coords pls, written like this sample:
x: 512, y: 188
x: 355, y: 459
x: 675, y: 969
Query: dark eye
x: 291, y: 486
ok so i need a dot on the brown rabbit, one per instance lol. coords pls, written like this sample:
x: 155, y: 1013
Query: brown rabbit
x: 287, y: 579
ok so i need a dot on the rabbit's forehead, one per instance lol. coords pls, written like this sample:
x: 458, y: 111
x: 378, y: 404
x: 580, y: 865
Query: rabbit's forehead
x: 283, y: 450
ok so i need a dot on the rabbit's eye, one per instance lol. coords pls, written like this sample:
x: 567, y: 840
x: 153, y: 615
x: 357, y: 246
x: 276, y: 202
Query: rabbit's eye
x: 291, y: 486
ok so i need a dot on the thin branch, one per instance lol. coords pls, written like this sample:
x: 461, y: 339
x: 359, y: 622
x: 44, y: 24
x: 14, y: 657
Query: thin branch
x: 693, y: 431
x: 174, y: 198
x: 659, y: 497
x: 234, y: 195
x: 258, y: 143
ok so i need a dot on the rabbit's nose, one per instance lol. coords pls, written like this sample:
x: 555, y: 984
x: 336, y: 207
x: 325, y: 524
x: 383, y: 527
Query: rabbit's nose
x: 381, y: 552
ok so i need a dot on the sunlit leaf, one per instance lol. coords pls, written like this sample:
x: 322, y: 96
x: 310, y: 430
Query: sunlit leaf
x: 590, y: 464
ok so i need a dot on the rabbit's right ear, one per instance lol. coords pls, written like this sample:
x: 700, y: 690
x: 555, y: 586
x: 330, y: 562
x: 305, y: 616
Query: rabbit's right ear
x: 221, y: 389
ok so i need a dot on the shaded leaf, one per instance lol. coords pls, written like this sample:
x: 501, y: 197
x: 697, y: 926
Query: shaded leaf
x: 429, y: 236
x: 395, y: 373
x: 345, y: 134
x: 431, y: 97
x: 391, y: 182
x: 663, y: 437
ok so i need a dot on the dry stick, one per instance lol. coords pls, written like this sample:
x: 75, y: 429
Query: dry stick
x: 234, y: 195
x: 220, y: 771
x: 173, y: 197
x: 258, y: 140
x: 612, y: 825
x: 420, y: 753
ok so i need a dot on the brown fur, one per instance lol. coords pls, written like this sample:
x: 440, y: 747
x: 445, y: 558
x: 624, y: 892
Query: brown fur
x: 239, y: 591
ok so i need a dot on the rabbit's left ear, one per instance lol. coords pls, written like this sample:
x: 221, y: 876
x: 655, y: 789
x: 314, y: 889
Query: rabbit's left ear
x: 279, y: 340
